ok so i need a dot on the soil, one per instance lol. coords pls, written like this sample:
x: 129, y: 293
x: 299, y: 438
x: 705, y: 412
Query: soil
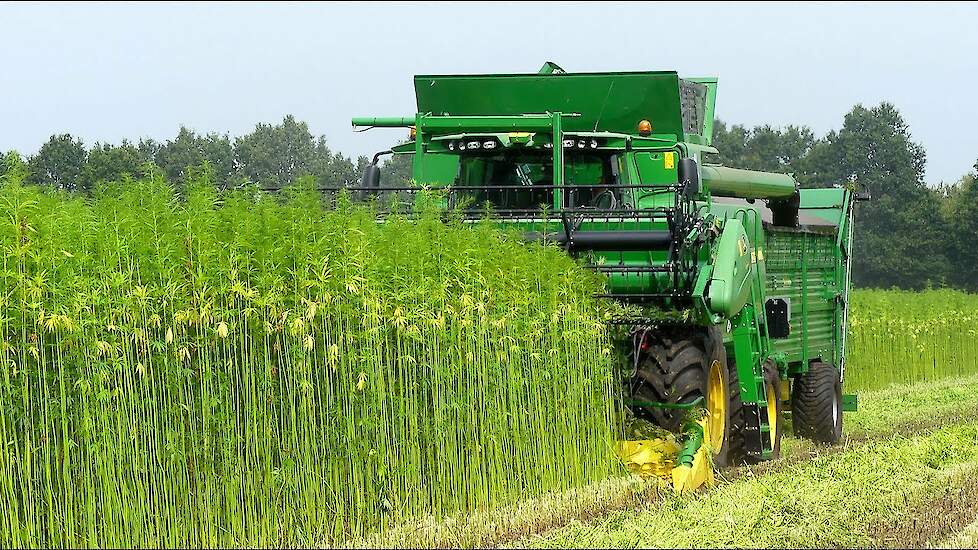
x: 928, y: 523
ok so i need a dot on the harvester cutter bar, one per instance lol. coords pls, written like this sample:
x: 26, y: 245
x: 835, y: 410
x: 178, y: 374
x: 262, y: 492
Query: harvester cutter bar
x: 636, y: 322
x: 643, y: 296
x: 658, y: 405
x: 635, y: 269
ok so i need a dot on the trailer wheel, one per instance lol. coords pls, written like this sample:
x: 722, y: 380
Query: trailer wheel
x: 775, y: 413
x: 676, y: 367
x: 816, y: 404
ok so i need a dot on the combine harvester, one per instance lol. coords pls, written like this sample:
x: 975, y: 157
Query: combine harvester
x: 752, y: 271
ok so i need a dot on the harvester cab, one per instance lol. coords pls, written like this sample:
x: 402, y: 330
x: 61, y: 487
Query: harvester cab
x: 739, y: 278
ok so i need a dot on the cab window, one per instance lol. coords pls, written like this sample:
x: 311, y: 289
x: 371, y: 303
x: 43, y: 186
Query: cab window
x: 526, y: 180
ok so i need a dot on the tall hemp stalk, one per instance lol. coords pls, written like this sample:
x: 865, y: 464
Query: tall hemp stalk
x: 899, y: 337
x: 241, y: 369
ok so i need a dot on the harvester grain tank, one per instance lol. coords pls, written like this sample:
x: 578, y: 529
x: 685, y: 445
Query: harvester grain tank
x: 751, y: 270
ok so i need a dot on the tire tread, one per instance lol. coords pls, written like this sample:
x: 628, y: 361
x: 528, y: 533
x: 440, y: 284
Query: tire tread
x: 812, y: 399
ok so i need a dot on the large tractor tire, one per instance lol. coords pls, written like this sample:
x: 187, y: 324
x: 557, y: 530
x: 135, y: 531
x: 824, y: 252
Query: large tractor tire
x: 677, y: 366
x: 774, y: 409
x: 816, y: 404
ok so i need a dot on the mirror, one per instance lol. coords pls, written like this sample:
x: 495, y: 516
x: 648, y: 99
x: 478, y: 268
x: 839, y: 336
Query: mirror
x: 371, y: 176
x: 689, y: 177
x: 370, y: 179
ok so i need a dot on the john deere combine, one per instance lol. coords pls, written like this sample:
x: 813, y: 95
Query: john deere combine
x: 614, y: 167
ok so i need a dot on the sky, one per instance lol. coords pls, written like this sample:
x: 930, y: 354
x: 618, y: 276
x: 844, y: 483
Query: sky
x: 104, y: 72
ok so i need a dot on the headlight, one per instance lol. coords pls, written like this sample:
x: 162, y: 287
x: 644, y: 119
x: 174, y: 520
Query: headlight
x: 473, y: 144
x: 582, y: 143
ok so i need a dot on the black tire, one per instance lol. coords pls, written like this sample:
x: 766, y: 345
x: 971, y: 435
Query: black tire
x: 673, y: 367
x: 816, y: 404
x: 733, y: 450
x: 772, y: 379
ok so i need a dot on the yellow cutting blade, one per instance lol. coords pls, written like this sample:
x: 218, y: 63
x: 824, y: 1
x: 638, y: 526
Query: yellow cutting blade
x: 649, y: 457
x: 657, y: 458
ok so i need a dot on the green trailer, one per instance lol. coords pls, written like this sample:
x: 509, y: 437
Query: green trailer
x: 615, y: 168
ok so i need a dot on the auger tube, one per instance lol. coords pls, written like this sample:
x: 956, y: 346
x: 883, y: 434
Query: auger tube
x: 383, y: 121
x: 747, y: 184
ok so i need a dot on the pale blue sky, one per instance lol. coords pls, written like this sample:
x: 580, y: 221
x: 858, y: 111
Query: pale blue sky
x: 108, y: 71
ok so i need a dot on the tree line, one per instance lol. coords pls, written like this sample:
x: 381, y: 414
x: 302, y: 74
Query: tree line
x: 272, y: 155
x: 910, y: 235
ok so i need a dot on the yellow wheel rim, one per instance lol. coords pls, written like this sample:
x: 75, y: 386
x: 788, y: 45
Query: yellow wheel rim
x: 772, y: 412
x: 716, y: 405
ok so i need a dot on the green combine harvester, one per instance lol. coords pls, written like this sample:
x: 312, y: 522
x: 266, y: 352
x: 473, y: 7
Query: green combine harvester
x: 614, y: 168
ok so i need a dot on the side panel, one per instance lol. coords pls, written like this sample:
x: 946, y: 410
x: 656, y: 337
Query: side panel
x: 803, y: 268
x: 436, y: 170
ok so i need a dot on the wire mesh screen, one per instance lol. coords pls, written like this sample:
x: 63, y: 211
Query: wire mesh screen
x: 692, y: 101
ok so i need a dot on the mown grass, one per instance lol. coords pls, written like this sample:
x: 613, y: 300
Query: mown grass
x: 896, y: 452
x: 890, y: 409
x: 918, y: 408
x: 246, y: 370
x: 967, y: 538
x: 830, y: 501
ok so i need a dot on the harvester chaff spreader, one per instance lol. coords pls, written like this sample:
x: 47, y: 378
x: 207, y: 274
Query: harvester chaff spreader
x: 614, y: 168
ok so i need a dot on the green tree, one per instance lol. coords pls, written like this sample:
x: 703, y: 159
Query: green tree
x: 819, y: 167
x: 12, y: 163
x: 900, y: 238
x: 764, y: 147
x: 731, y: 143
x: 276, y: 155
x: 59, y: 163
x: 397, y: 170
x: 332, y: 169
x: 963, y: 235
x: 110, y: 163
x: 190, y: 150
x: 149, y: 148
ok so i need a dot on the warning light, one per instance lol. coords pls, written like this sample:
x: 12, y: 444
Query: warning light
x: 413, y: 133
x: 644, y: 128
